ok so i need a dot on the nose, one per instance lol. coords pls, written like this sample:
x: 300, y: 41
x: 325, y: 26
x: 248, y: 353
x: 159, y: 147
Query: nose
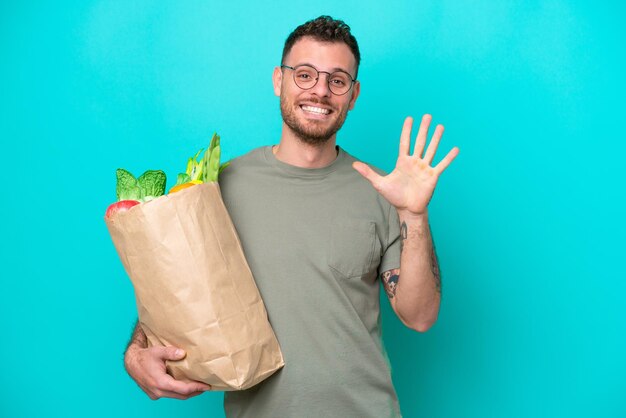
x: 321, y: 88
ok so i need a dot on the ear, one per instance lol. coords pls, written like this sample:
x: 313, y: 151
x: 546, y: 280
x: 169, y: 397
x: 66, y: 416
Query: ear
x: 356, y: 90
x: 277, y: 79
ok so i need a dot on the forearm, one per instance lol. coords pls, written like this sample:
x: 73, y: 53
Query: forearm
x: 138, y: 341
x: 418, y: 293
x: 138, y: 338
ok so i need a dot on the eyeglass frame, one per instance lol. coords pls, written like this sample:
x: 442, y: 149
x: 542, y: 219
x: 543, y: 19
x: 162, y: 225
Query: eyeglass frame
x: 353, y: 80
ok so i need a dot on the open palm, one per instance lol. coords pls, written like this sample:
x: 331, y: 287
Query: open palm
x: 410, y: 186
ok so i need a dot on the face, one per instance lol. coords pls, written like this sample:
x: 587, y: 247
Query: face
x: 315, y: 115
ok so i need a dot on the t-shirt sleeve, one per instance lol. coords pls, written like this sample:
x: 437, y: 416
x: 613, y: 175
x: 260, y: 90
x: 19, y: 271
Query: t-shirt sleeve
x: 391, y: 252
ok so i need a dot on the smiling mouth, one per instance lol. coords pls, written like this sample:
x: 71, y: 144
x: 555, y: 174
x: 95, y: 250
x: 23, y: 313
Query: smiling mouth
x: 315, y: 110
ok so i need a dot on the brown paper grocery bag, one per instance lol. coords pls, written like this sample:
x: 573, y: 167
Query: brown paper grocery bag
x: 194, y: 289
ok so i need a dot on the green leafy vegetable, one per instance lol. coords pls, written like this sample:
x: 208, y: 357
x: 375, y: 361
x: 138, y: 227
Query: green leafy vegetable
x: 214, y: 164
x: 182, y: 178
x: 194, y: 167
x: 206, y: 169
x: 150, y: 185
x: 223, y: 166
x: 127, y: 187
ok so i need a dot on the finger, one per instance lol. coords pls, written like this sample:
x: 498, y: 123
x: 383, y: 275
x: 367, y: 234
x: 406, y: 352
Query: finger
x: 169, y: 353
x: 167, y: 394
x: 443, y: 164
x: 420, y: 140
x: 434, y: 143
x: 368, y: 173
x: 405, y: 137
x: 182, y: 387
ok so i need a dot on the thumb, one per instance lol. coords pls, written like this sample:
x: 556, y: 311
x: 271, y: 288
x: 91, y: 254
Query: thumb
x: 367, y: 172
x: 171, y: 353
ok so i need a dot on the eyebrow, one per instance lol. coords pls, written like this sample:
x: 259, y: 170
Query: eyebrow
x: 331, y: 70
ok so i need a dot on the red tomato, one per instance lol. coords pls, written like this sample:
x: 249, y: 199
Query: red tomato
x: 121, y: 206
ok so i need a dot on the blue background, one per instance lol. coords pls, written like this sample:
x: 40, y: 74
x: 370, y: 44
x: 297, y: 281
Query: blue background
x: 528, y: 220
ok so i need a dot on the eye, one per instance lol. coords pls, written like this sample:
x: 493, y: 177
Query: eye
x: 338, y: 82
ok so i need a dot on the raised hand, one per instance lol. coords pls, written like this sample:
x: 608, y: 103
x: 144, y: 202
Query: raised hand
x: 410, y: 186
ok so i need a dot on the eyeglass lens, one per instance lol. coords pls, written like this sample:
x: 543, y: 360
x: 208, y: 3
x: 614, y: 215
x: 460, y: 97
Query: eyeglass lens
x: 306, y: 77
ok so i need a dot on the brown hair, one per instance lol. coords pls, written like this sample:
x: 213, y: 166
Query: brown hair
x: 324, y: 29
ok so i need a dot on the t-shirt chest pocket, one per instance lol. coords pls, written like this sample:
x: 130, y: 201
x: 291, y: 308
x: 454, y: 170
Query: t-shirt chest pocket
x: 354, y: 248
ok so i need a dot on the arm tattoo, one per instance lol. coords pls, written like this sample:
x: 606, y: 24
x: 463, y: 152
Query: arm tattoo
x: 434, y: 266
x: 403, y: 235
x: 390, y: 281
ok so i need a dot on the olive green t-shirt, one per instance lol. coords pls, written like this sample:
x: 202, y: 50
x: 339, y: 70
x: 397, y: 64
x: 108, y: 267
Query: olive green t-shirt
x: 316, y: 241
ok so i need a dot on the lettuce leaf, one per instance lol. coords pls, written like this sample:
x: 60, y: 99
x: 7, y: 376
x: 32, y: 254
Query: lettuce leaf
x: 152, y: 183
x: 127, y: 186
x: 148, y: 186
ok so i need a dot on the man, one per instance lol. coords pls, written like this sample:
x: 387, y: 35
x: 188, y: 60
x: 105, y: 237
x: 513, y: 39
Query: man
x: 317, y: 236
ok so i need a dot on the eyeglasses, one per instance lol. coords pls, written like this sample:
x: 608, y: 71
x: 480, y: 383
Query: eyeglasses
x: 306, y: 77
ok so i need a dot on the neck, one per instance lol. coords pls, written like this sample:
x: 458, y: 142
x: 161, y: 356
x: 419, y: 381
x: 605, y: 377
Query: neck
x: 293, y: 151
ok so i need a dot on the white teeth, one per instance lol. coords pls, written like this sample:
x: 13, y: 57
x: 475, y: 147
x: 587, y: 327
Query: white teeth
x: 316, y: 110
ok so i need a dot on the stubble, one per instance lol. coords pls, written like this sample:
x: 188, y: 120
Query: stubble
x: 309, y: 131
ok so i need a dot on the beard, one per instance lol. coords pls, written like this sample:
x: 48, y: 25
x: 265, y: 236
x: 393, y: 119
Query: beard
x: 311, y: 132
